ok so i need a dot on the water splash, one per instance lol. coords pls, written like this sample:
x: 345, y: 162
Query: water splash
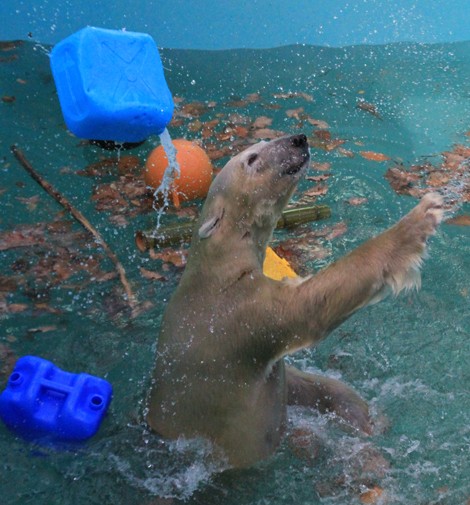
x: 453, y: 191
x: 172, y: 172
x: 166, y: 469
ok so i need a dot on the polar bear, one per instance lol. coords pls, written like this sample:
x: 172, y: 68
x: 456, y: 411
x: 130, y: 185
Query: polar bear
x: 220, y: 372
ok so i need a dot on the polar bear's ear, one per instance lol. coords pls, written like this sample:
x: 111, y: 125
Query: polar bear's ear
x: 211, y: 224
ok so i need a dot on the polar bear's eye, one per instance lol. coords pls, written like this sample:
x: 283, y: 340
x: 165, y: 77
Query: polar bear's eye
x: 252, y: 159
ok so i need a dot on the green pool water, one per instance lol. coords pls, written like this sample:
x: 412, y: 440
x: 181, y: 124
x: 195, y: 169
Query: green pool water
x: 409, y: 357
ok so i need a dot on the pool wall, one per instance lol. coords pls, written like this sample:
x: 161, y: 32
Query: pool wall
x: 225, y: 24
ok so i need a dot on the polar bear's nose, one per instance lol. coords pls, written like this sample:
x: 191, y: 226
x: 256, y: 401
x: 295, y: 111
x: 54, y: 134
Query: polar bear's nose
x: 299, y: 140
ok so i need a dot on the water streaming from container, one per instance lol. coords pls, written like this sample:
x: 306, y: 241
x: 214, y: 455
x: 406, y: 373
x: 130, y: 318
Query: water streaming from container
x: 172, y: 172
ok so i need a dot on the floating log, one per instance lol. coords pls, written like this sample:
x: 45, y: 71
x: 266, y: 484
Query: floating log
x: 182, y: 232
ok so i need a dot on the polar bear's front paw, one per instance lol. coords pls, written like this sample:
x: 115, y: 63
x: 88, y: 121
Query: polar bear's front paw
x: 410, y: 236
x: 427, y: 215
x: 419, y: 224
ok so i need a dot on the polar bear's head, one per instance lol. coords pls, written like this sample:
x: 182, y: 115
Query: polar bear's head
x: 247, y: 197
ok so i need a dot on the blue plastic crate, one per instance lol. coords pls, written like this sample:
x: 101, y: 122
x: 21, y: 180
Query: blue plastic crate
x: 111, y: 85
x: 43, y: 401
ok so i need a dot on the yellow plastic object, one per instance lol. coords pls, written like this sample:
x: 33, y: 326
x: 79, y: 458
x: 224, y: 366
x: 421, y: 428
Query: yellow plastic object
x: 275, y: 267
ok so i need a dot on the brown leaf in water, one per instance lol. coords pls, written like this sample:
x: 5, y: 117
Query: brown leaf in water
x: 372, y: 495
x: 272, y: 106
x: 305, y: 444
x: 151, y: 275
x: 283, y: 95
x: 462, y: 220
x: 176, y: 122
x: 118, y: 220
x: 22, y: 236
x: 320, y: 166
x: 266, y: 133
x: 108, y: 197
x: 42, y: 329
x: 368, y: 107
x: 437, y: 179
x: 462, y: 150
x: 401, y: 181
x: 253, y: 97
x: 63, y: 269
x: 59, y: 227
x: 308, y: 246
x: 216, y: 154
x: 241, y: 131
x: 318, y: 123
x: 374, y: 156
x: 98, y: 168
x: 176, y: 258
x: 335, y: 231
x: 261, y: 122
x: 187, y: 212
x: 132, y: 188
x: 194, y: 109
x: 238, y: 103
x: 195, y: 126
x: 322, y: 134
x: 334, y: 144
x: 43, y: 307
x: 129, y: 164
x: 453, y: 160
x: 10, y: 45
x: 31, y: 202
x: 355, y: 201
x: 318, y: 190
x: 322, y: 140
x: 237, y: 119
x: 295, y: 113
x: 124, y: 165
x: 345, y: 152
x: 224, y: 135
x: 215, y: 151
x: 208, y: 128
x: 104, y: 276
x: 298, y: 251
x: 12, y: 308
x: 305, y: 96
x: 318, y: 178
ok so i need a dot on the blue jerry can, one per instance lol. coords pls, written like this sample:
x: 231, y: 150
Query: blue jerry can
x: 43, y: 401
x: 111, y: 85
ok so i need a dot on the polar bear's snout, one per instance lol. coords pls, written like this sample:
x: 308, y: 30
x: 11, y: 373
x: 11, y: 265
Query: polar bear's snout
x: 299, y: 140
x: 300, y: 154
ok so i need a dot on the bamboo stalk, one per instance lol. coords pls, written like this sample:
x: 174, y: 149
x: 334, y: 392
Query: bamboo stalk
x: 131, y: 299
x: 291, y: 218
x: 182, y: 232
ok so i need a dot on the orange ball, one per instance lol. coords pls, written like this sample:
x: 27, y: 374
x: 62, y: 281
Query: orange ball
x: 195, y: 166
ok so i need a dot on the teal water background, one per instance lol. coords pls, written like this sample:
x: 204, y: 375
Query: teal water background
x: 407, y: 356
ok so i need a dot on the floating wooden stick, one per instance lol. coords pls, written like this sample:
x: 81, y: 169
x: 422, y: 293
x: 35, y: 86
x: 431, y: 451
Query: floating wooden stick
x: 131, y: 299
x: 182, y: 232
